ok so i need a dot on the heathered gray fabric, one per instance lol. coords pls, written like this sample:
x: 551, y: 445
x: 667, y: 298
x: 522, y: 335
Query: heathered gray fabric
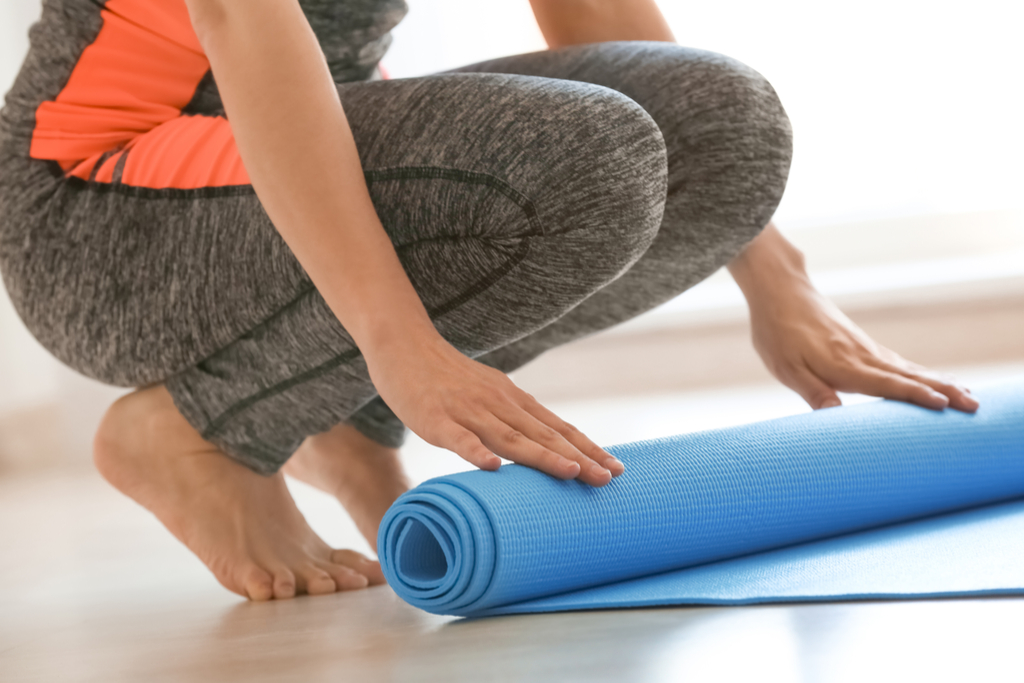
x: 729, y: 147
x: 553, y: 196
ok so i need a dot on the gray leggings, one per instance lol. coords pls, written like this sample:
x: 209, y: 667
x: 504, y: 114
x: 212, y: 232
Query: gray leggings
x: 533, y: 200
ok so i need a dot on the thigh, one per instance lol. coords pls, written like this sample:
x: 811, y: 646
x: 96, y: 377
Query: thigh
x: 132, y: 275
x: 728, y: 144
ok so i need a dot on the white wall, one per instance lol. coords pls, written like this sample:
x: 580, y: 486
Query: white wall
x: 15, y: 18
x: 27, y: 374
x: 900, y: 107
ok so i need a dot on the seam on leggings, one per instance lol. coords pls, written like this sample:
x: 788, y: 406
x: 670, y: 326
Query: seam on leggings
x: 395, y: 173
x: 163, y: 193
x: 305, y: 289
x: 401, y: 173
x: 325, y: 367
x: 474, y: 177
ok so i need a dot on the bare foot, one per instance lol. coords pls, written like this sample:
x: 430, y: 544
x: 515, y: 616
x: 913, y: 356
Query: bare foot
x: 243, y: 526
x: 363, y: 475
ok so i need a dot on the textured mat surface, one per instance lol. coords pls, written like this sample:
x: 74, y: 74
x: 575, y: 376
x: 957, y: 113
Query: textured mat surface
x: 757, y: 513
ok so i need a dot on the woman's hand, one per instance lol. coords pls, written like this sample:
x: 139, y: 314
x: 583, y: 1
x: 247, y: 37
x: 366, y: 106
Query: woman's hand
x: 810, y: 346
x: 454, y: 402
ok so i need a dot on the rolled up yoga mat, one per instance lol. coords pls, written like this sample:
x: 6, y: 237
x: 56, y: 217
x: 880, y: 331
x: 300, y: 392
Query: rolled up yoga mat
x: 879, y: 499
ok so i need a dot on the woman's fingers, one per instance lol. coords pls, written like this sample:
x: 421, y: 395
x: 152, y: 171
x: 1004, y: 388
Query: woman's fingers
x: 959, y: 396
x: 887, y: 384
x: 511, y: 424
x: 477, y: 412
x: 512, y: 443
x: 896, y: 379
x: 591, y: 471
x: 810, y: 387
x: 468, y: 446
x: 575, y: 437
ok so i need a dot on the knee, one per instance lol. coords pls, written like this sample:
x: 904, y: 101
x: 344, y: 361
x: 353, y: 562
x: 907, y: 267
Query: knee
x: 742, y: 99
x: 730, y: 145
x: 740, y: 144
x: 603, y: 197
x: 701, y: 100
x: 727, y: 118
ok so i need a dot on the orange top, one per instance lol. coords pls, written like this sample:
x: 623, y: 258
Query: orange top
x: 126, y: 94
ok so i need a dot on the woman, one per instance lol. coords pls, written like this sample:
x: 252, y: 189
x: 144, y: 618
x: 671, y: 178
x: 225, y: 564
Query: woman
x: 293, y: 288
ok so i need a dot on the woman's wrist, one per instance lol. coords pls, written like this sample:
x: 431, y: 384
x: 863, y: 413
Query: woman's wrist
x: 768, y: 264
x: 394, y: 333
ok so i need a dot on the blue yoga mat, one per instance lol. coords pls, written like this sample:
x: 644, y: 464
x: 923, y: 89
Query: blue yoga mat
x: 881, y: 499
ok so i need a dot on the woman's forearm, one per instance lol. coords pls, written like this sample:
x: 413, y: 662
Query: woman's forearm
x: 572, y: 22
x: 298, y: 149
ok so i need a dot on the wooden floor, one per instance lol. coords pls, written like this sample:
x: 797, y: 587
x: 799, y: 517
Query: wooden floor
x: 93, y: 589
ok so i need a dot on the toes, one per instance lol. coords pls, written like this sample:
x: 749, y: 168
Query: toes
x: 284, y: 584
x: 256, y: 584
x: 315, y: 578
x: 345, y: 579
x: 316, y: 581
x: 359, y: 564
x: 373, y: 573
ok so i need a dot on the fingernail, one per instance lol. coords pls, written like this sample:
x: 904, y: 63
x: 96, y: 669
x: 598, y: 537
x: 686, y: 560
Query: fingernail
x: 598, y: 470
x: 940, y: 397
x: 831, y: 403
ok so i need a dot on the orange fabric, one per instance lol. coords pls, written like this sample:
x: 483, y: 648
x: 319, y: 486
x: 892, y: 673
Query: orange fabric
x: 188, y: 152
x: 127, y: 91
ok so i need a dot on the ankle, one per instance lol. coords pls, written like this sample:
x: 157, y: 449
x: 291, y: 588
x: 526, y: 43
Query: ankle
x: 137, y: 430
